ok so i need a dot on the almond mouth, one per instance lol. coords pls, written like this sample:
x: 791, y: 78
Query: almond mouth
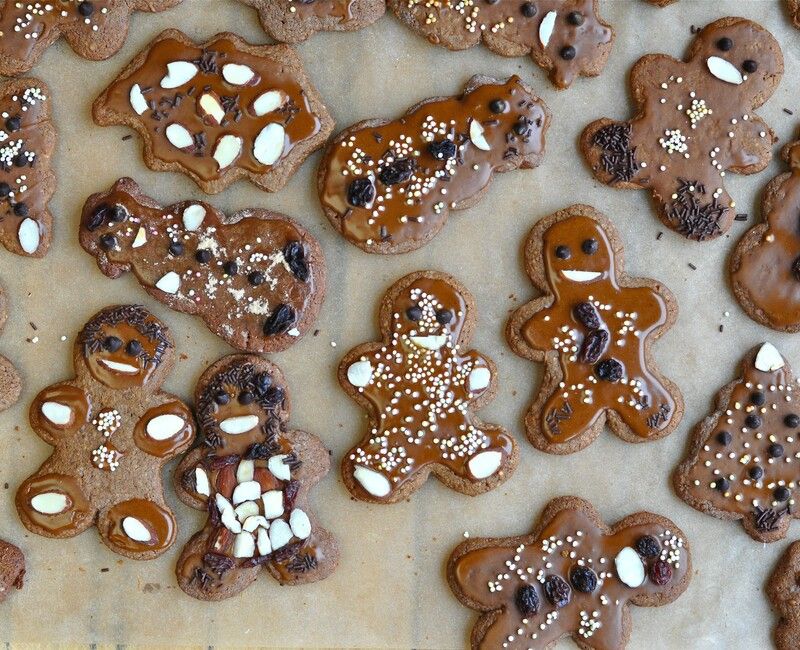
x: 580, y: 276
x: 238, y: 424
x: 430, y: 342
x: 123, y: 368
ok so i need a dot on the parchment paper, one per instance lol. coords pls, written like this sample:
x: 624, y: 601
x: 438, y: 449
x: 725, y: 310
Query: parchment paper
x: 389, y: 590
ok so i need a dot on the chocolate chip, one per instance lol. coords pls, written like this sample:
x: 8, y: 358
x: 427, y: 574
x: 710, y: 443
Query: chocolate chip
x: 521, y: 128
x: 117, y: 214
x: 444, y: 316
x: 280, y: 320
x: 575, y: 18
x: 5, y: 190
x: 112, y: 343
x: 752, y: 421
x: 758, y: 398
x: 527, y: 600
x: 723, y: 484
x: 775, y: 450
x: 13, y: 123
x: 21, y: 209
x: 134, y: 348
x: 563, y: 252
x: 750, y: 66
x: 756, y: 472
x: 782, y: 493
x: 107, y: 242
x: 255, y: 278
x: 557, y: 591
x: 724, y: 44
x: 246, y: 397
x: 360, y: 192
x: 21, y: 159
x: 203, y: 256
x: 724, y: 438
x: 397, y: 171
x: 222, y: 398
x: 230, y: 267
x: 414, y: 313
x: 176, y: 248
x: 609, y: 370
x: 792, y: 421
x: 498, y: 105
x: 528, y: 9
x: 583, y: 579
x: 442, y: 149
x: 589, y: 246
x: 648, y: 546
x: 85, y: 8
x: 568, y: 52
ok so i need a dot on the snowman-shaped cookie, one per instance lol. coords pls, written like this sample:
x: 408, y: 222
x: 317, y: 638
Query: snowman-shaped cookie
x: 420, y: 390
x: 113, y: 430
x: 253, y: 477
x: 593, y: 329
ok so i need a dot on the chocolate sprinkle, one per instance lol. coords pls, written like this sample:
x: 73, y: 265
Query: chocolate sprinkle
x: 618, y: 158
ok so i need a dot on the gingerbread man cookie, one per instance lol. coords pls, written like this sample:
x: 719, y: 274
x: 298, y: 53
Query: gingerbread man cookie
x: 421, y: 389
x: 292, y: 21
x: 27, y: 140
x: 593, y: 329
x: 10, y: 383
x: 742, y: 459
x: 218, y: 111
x: 256, y: 278
x: 389, y: 186
x: 94, y: 29
x: 765, y: 266
x: 113, y: 430
x: 12, y: 569
x: 572, y: 576
x: 695, y: 122
x: 783, y: 591
x: 566, y: 37
x: 253, y: 475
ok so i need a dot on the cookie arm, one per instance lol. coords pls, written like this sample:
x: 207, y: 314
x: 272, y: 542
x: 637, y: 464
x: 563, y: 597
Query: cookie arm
x: 539, y: 330
x: 58, y: 411
x: 751, y: 150
x: 192, y: 480
x: 165, y: 430
x: 480, y: 376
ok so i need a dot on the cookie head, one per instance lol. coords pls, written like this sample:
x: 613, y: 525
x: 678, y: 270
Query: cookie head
x: 107, y: 222
x: 428, y: 315
x: 741, y: 55
x: 241, y: 406
x: 124, y: 347
x: 577, y: 251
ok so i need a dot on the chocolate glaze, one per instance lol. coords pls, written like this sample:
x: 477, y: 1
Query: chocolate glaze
x: 514, y: 133
x: 159, y: 523
x: 322, y: 8
x: 491, y: 576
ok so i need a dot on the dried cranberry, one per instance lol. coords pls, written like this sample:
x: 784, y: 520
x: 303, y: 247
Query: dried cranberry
x: 586, y: 314
x: 442, y: 149
x: 660, y: 572
x: 557, y: 591
x: 593, y: 346
x: 290, y: 493
x: 527, y: 600
x: 583, y: 579
x: 360, y: 192
x: 398, y: 171
x: 280, y: 320
x: 647, y: 546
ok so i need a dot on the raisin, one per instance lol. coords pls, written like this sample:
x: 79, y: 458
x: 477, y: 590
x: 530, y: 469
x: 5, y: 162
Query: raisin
x: 108, y: 242
x: 219, y: 564
x: 583, y: 579
x: 295, y: 255
x: 444, y: 316
x: 360, y: 192
x: 216, y: 463
x: 586, y: 315
x: 213, y: 513
x: 660, y: 572
x: 398, y: 171
x: 414, y: 313
x: 527, y: 600
x: 272, y: 397
x: 263, y: 382
x: 96, y: 218
x: 442, y: 149
x: 796, y: 268
x: 557, y: 591
x: 290, y: 494
x: 609, y: 370
x: 647, y: 546
x: 280, y: 320
x: 593, y: 346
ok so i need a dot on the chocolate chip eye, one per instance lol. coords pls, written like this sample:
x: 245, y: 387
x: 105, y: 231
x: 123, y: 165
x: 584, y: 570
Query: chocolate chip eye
x: 222, y: 398
x: 498, y: 105
x: 176, y: 249
x: 134, y: 348
x: 528, y: 9
x: 230, y: 267
x: 203, y: 256
x: 107, y: 242
x: 246, y: 397
x: 112, y: 343
x: 444, y: 316
x: 724, y: 44
x: 750, y: 66
x: 117, y: 214
x: 568, y: 52
x: 575, y: 18
x: 414, y: 313
x: 589, y: 246
x: 563, y: 252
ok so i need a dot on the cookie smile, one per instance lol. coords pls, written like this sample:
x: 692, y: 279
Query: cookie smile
x: 238, y: 424
x: 724, y: 70
x: 116, y: 366
x: 430, y: 342
x: 580, y: 276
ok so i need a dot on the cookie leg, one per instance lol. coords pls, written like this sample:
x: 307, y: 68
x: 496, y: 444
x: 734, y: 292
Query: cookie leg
x: 362, y: 473
x: 10, y: 384
x: 137, y: 528
x: 560, y: 423
x: 54, y: 505
x: 492, y: 456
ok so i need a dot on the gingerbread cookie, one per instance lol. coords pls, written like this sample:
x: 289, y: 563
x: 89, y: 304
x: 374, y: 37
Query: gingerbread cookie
x: 741, y: 460
x: 10, y: 383
x: 783, y: 591
x: 12, y: 569
x: 27, y: 140
x: 292, y: 21
x: 94, y: 29
x: 793, y: 7
x: 253, y: 475
x: 218, y: 111
x: 566, y: 37
x: 593, y: 329
x: 695, y: 122
x: 421, y: 388
x: 572, y: 576
x: 113, y: 430
x: 765, y: 266
x: 389, y: 186
x: 256, y: 278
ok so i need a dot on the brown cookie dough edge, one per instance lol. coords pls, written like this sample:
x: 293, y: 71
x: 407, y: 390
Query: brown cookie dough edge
x: 10, y: 382
x: 781, y: 591
x: 12, y: 569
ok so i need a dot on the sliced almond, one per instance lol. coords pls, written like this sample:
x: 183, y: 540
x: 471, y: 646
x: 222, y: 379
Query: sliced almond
x: 193, y: 216
x: 245, y: 471
x: 227, y: 150
x: 29, y: 235
x: 229, y: 520
x: 279, y: 534
x: 163, y: 427
x: 169, y: 283
x: 178, y: 73
x: 211, y: 108
x: 546, y: 27
x: 136, y: 530
x: 244, y: 545
x: 248, y: 491
x: 178, y: 136
x: 252, y: 523
x: 279, y: 468
x: 246, y: 510
x: 138, y: 102
x: 300, y: 524
x: 476, y: 135
x: 201, y: 484
x: 268, y: 146
x: 140, y: 239
x: 269, y: 101
x: 59, y: 414
x: 273, y: 504
x: 50, y: 503
x: 237, y: 74
x: 264, y: 546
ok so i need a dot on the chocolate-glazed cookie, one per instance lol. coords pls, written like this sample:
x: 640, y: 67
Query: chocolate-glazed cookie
x: 420, y: 387
x: 782, y: 591
x: 389, y: 186
x: 253, y: 475
x: 256, y: 278
x: 593, y: 329
x: 741, y: 462
x: 218, y: 111
x: 12, y: 569
x: 292, y: 21
x: 10, y: 382
x: 27, y: 140
x: 765, y: 265
x: 695, y: 122
x: 572, y: 576
x: 113, y: 430
x: 94, y: 29
x: 566, y: 37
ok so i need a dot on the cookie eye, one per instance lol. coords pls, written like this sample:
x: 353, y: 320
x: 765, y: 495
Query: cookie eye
x: 444, y: 316
x: 563, y: 252
x: 134, y: 348
x: 750, y: 66
x: 589, y: 246
x: 117, y: 214
x: 246, y: 397
x: 575, y: 18
x: 222, y: 398
x: 414, y: 313
x: 568, y: 52
x: 724, y: 44
x: 108, y: 242
x: 498, y: 105
x: 112, y: 343
x: 528, y: 9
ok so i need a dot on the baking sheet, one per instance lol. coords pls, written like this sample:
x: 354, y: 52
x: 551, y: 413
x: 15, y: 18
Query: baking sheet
x: 389, y: 590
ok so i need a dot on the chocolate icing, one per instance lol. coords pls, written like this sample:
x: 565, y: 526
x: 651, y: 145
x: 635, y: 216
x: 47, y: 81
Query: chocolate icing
x: 322, y: 8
